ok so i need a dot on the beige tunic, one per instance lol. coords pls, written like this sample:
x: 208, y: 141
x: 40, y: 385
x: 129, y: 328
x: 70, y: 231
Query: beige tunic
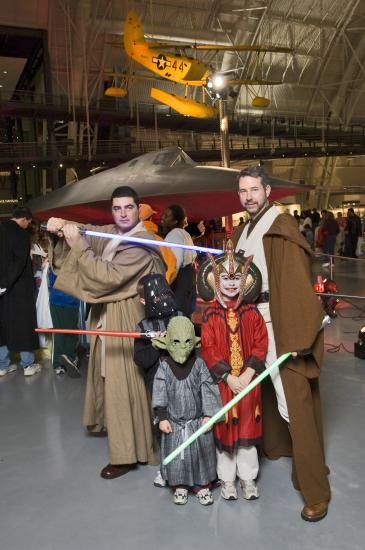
x: 118, y: 401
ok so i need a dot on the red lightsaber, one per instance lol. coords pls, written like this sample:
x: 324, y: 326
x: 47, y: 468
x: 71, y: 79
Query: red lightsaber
x: 148, y: 334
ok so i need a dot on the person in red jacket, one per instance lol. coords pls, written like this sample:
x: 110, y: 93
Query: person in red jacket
x: 234, y: 346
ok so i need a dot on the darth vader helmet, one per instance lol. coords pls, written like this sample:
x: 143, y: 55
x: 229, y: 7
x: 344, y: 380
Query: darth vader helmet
x: 158, y: 296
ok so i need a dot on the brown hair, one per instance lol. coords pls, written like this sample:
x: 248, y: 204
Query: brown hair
x: 255, y: 171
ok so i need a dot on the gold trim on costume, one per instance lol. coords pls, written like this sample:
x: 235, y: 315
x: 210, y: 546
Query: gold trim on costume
x: 235, y: 353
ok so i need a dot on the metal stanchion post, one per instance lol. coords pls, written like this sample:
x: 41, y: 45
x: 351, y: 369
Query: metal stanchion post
x: 224, y: 131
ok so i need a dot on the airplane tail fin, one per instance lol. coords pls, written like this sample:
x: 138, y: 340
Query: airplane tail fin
x: 133, y: 32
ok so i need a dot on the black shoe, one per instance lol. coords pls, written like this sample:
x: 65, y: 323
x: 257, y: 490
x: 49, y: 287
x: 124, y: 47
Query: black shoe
x: 70, y: 366
x: 111, y: 471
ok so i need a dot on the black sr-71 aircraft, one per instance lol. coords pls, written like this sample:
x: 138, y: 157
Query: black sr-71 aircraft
x: 164, y: 177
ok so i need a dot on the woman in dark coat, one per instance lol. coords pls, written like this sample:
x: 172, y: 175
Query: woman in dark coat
x: 18, y: 317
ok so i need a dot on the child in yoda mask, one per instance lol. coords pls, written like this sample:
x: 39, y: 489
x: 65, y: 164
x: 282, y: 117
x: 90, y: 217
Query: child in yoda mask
x: 184, y: 398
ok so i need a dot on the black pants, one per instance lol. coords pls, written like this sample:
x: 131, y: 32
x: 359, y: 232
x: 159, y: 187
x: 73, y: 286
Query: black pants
x: 184, y: 288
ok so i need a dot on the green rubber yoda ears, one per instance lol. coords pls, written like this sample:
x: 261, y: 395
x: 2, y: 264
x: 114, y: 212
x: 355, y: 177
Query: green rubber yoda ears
x: 180, y: 339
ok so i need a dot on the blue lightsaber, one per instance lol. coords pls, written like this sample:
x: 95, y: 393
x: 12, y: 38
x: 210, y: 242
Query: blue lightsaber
x: 139, y: 240
x: 150, y: 241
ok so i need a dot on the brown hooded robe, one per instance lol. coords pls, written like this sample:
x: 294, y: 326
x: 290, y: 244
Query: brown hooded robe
x: 118, y: 401
x: 296, y: 316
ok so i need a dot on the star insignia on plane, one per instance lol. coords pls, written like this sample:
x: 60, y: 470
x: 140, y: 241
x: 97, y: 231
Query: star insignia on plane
x: 161, y: 62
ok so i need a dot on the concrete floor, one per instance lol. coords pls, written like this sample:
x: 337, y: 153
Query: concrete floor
x: 52, y: 497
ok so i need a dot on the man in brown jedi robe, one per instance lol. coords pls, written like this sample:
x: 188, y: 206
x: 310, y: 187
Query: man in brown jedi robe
x: 292, y: 423
x: 105, y: 274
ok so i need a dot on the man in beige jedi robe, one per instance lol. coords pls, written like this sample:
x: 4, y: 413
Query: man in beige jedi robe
x: 292, y: 423
x: 105, y: 274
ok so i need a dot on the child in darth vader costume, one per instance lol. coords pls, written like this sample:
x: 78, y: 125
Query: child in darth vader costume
x: 160, y: 307
x: 234, y: 346
x: 185, y: 397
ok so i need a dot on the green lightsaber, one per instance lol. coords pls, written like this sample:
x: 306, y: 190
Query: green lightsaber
x: 226, y: 408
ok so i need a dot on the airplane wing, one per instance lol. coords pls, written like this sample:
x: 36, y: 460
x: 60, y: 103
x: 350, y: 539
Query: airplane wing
x: 161, y: 178
x: 242, y: 48
x: 217, y: 47
x: 214, y: 47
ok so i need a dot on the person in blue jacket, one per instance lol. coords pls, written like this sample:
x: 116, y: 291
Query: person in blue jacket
x: 65, y: 314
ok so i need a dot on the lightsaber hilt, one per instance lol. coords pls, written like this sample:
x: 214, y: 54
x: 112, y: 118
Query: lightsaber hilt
x: 43, y: 227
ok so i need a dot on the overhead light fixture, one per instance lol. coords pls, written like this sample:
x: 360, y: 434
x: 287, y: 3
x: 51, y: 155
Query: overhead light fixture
x: 1, y: 85
x: 218, y: 81
x: 60, y: 165
x: 18, y: 167
x: 5, y: 72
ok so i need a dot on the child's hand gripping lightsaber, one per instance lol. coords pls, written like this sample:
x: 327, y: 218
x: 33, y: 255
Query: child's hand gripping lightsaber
x: 205, y: 427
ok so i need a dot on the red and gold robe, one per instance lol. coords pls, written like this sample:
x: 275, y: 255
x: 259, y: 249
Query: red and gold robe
x: 233, y: 340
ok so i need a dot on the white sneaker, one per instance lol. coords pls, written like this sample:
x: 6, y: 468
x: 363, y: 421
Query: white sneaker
x: 205, y: 496
x: 249, y: 489
x: 70, y: 366
x: 8, y: 370
x: 59, y: 370
x: 229, y: 491
x: 180, y: 495
x: 159, y: 481
x: 32, y: 369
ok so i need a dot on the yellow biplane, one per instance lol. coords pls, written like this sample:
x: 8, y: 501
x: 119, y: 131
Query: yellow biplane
x: 186, y: 70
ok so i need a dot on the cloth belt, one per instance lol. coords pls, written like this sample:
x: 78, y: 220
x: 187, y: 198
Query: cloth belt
x: 184, y: 428
x: 263, y: 297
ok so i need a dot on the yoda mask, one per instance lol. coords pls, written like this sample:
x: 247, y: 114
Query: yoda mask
x: 180, y: 339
